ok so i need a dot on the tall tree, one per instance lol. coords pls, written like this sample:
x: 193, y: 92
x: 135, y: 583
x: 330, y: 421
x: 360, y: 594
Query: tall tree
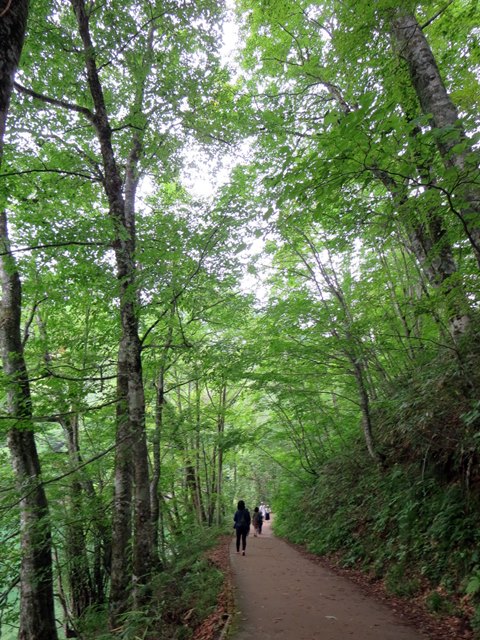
x: 37, y: 619
x: 452, y: 141
x: 351, y: 135
x: 13, y: 24
x: 131, y: 452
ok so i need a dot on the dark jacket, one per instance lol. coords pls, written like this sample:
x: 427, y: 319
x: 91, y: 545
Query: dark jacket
x: 243, y: 514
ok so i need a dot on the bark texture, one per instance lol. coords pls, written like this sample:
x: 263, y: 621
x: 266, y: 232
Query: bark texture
x: 156, y: 514
x: 79, y: 578
x: 131, y: 563
x: 13, y: 23
x: 452, y: 141
x: 37, y: 619
x: 220, y: 431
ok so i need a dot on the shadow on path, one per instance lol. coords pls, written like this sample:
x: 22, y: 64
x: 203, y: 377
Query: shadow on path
x: 281, y: 594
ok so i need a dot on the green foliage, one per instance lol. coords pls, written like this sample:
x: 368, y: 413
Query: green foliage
x: 186, y: 591
x: 344, y: 184
x: 431, y: 414
x: 475, y: 622
x: 181, y: 595
x: 399, y: 584
x: 473, y: 584
x: 399, y: 526
x: 439, y: 603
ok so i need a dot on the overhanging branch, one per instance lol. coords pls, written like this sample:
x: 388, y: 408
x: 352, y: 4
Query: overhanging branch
x: 70, y: 106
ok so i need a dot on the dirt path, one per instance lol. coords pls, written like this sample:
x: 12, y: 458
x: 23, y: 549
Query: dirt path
x: 281, y: 594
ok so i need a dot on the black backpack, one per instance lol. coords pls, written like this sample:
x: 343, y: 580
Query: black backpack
x: 242, y: 521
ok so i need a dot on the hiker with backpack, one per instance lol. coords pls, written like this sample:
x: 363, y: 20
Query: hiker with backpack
x: 241, y: 523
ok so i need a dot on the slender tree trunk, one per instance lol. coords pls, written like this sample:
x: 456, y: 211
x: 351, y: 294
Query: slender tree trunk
x: 131, y: 563
x: 452, y: 141
x: 86, y: 587
x: 157, y: 441
x: 156, y: 447
x: 157, y: 468
x: 220, y: 431
x: 208, y: 470
x: 199, y: 501
x: 80, y: 583
x: 192, y: 477
x: 192, y: 488
x: 355, y: 353
x: 213, y: 487
x: 365, y: 407
x: 37, y: 619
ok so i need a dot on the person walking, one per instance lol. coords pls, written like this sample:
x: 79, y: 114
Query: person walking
x: 257, y: 522
x: 241, y: 523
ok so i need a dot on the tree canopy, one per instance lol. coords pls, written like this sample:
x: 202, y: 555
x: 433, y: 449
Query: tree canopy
x: 305, y: 335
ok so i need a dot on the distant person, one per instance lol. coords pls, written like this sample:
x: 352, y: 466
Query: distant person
x: 241, y: 523
x: 262, y: 509
x: 267, y: 512
x: 257, y: 522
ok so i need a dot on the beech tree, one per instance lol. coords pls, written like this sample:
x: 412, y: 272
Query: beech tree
x: 316, y: 46
x: 452, y: 142
x: 132, y: 357
x: 349, y: 152
x: 108, y: 162
x: 36, y: 604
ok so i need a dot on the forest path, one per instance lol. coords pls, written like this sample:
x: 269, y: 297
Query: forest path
x: 281, y: 594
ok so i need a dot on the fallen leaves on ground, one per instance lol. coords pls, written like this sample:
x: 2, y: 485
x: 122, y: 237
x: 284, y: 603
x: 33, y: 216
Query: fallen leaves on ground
x: 211, y: 628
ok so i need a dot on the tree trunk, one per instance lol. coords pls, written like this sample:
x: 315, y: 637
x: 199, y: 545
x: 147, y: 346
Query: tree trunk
x: 86, y: 587
x: 131, y: 467
x: 13, y: 23
x: 220, y: 431
x: 212, y: 498
x: 199, y: 500
x: 355, y: 353
x: 452, y: 141
x: 157, y: 443
x: 37, y: 619
x: 156, y: 446
x: 191, y: 480
x: 80, y: 583
x: 365, y: 408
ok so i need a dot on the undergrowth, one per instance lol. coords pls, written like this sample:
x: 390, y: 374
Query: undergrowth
x: 415, y: 523
x: 182, y: 594
x: 414, y: 533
